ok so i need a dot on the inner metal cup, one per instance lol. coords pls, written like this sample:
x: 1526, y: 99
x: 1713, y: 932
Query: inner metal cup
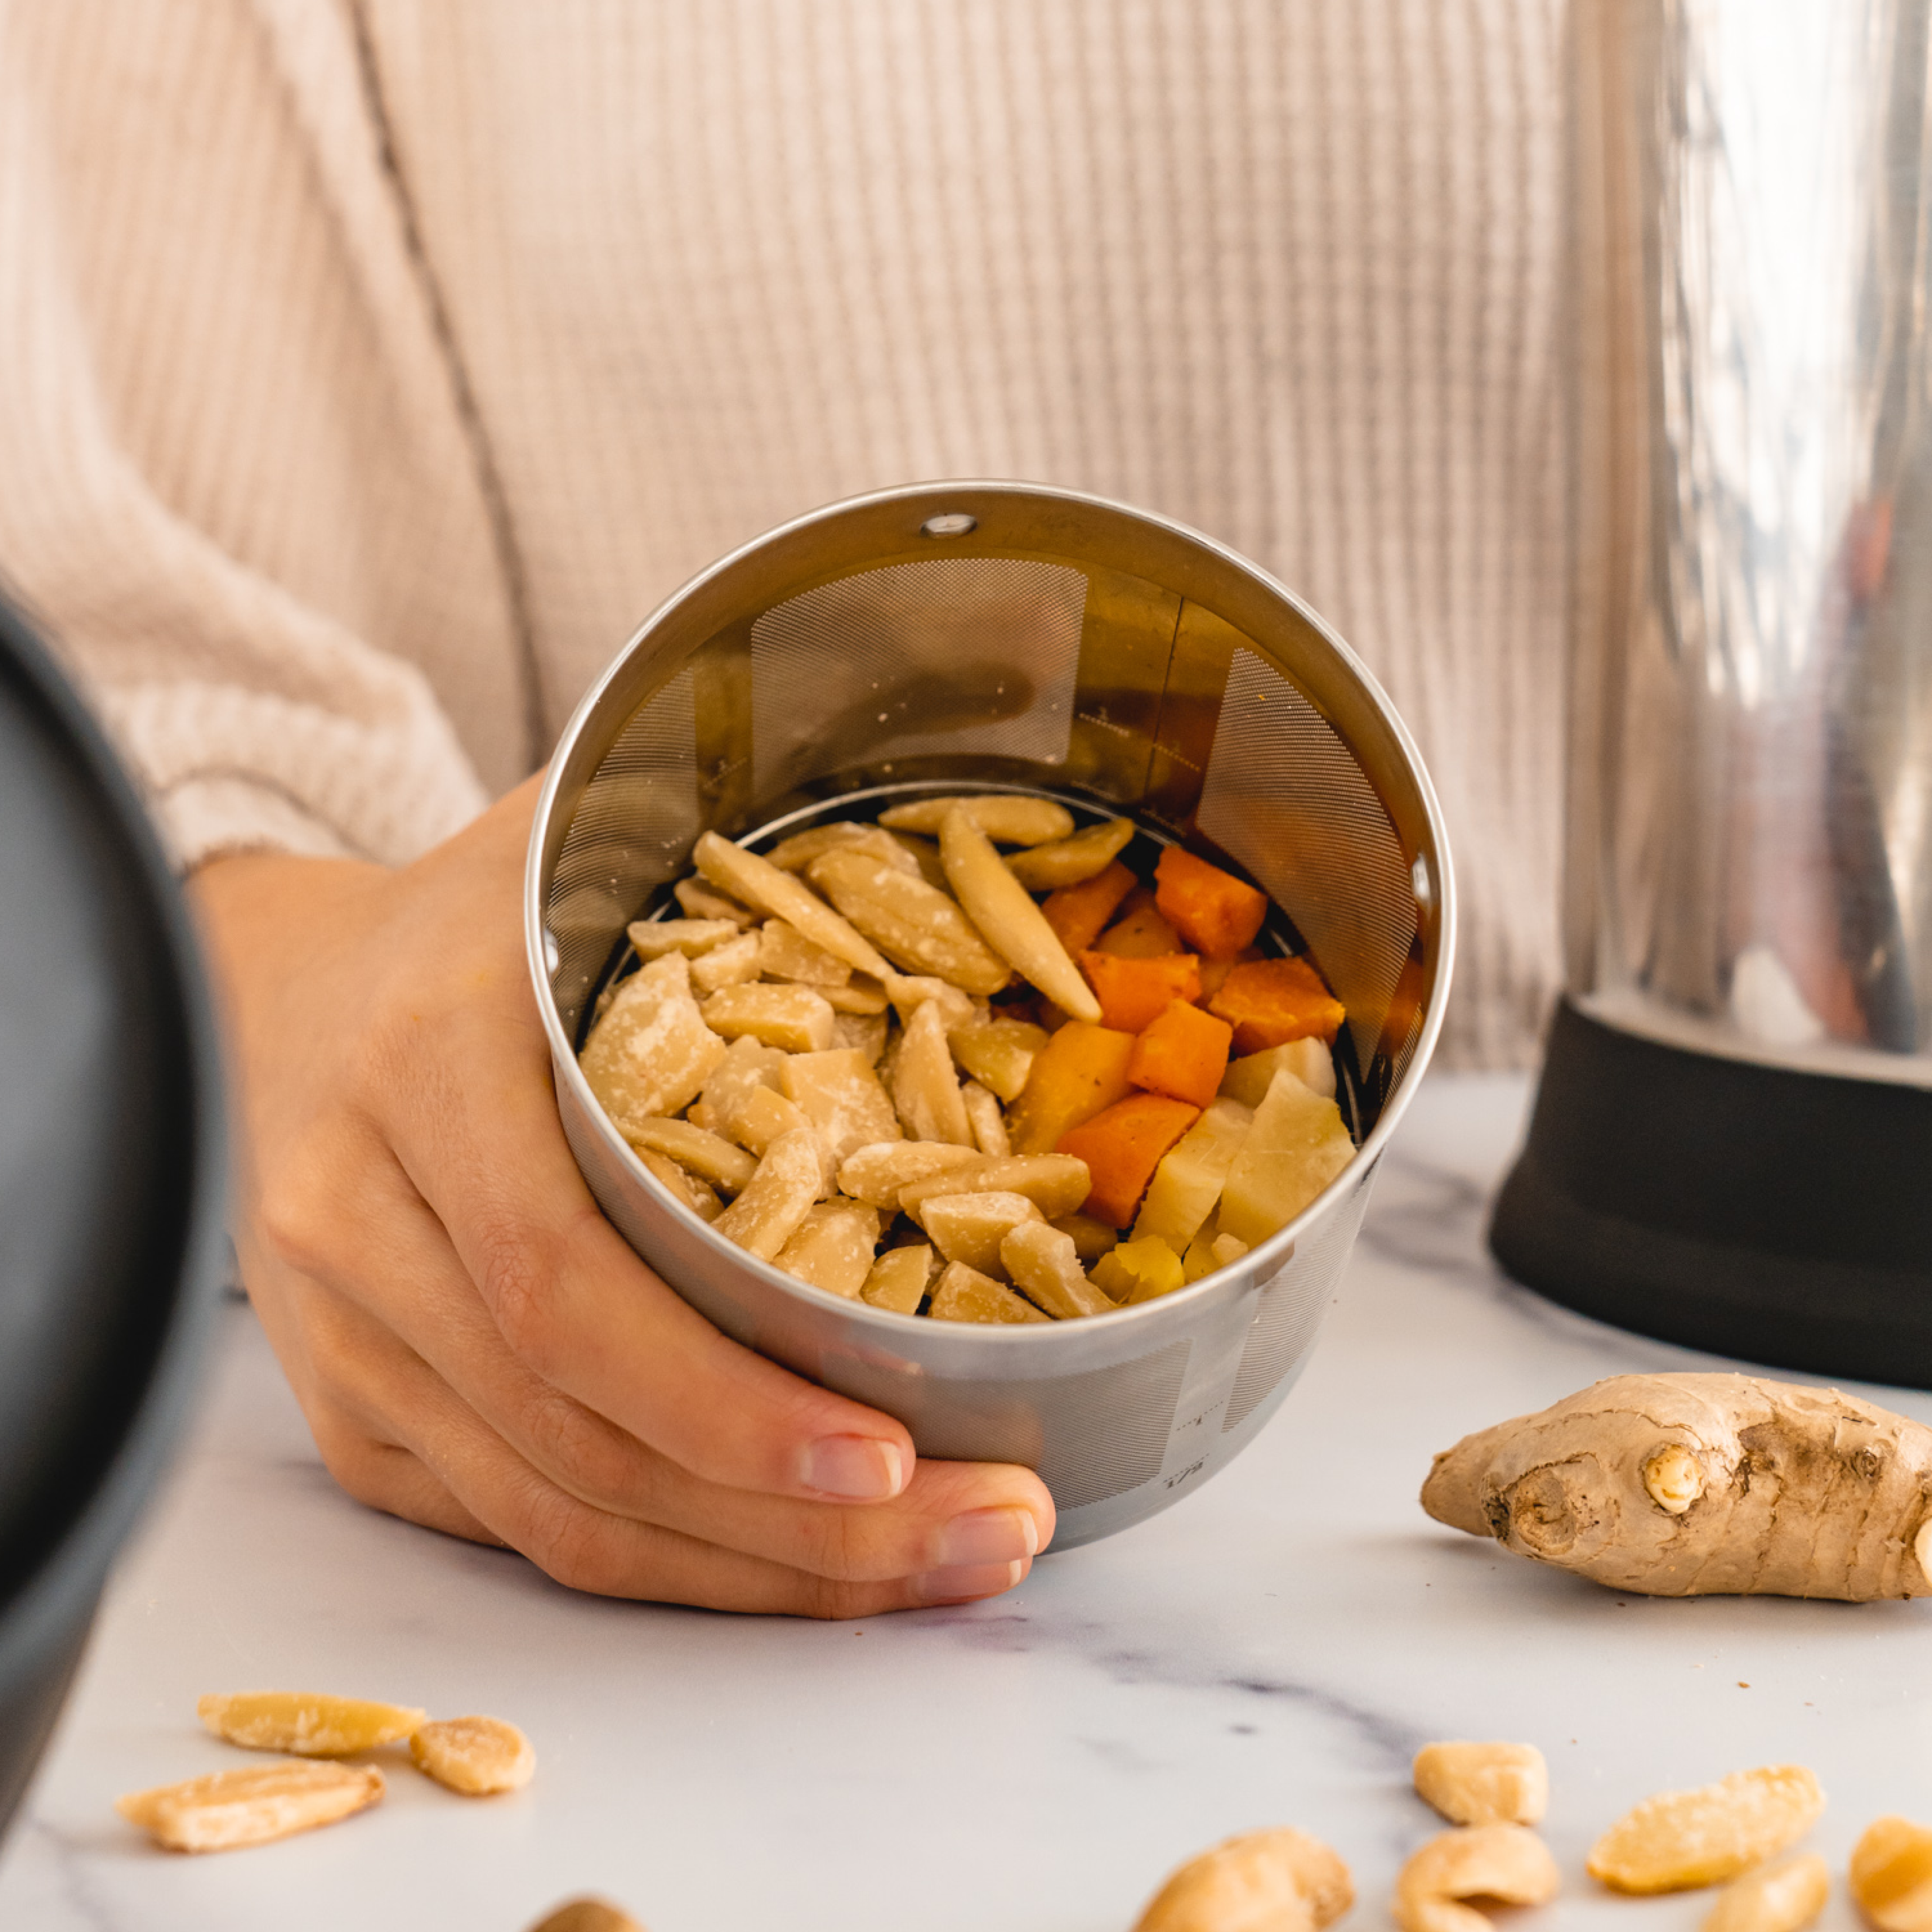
x: 1004, y: 636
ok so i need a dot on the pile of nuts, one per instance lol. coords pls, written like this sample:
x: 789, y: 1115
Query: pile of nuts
x: 256, y: 1803
x: 1733, y: 1833
x: 912, y: 1071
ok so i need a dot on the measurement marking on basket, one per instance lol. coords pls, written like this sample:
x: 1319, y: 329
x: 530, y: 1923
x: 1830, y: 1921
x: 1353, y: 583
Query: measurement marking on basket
x: 1105, y: 723
x: 1181, y: 1475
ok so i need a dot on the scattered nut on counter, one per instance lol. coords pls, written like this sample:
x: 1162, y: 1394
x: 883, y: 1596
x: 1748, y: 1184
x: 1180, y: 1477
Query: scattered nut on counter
x: 253, y: 1804
x: 831, y: 1030
x: 1891, y: 1875
x: 1508, y: 1863
x: 1258, y: 1883
x: 587, y: 1915
x: 1484, y: 1783
x: 478, y: 1757
x: 1680, y: 1839
x: 1783, y: 1897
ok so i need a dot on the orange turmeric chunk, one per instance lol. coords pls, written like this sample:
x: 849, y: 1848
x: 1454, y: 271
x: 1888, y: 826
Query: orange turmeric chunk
x: 1183, y: 1054
x: 1079, y: 913
x: 1133, y: 993
x: 1271, y: 1002
x: 1212, y: 910
x: 1122, y: 1147
x: 1081, y: 1070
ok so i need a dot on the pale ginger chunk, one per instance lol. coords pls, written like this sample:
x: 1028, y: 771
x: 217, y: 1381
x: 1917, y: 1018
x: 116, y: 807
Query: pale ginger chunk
x: 766, y: 1116
x: 962, y: 1294
x: 759, y: 882
x: 686, y: 1189
x: 1008, y: 920
x: 989, y: 1123
x: 780, y: 1194
x: 696, y: 900
x: 1226, y: 1249
x: 1891, y: 1876
x: 785, y: 953
x: 734, y: 963
x: 1248, y: 1079
x: 652, y: 1051
x: 652, y: 938
x: 914, y: 925
x: 969, y: 1227
x: 1072, y: 861
x: 253, y: 1804
x: 478, y: 1757
x: 1056, y: 1183
x: 794, y: 1019
x: 832, y: 1248
x: 999, y: 1053
x: 1484, y: 1783
x: 1046, y: 1266
x: 876, y: 1173
x: 866, y: 1032
x: 748, y: 1065
x: 1008, y: 817
x: 1504, y: 1862
x: 898, y: 1279
x: 1091, y: 1238
x: 925, y: 1089
x: 709, y: 1156
x: 796, y: 853
x: 1786, y: 1897
x: 309, y: 1723
x: 838, y: 1092
x: 1188, y: 1182
x: 861, y: 995
x: 1681, y: 1839
x: 909, y: 991
x: 1281, y: 1881
x: 1198, y: 1262
x: 1296, y: 1147
x: 924, y: 853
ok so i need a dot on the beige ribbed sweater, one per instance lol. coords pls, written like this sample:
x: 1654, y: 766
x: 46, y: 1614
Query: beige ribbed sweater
x: 366, y: 371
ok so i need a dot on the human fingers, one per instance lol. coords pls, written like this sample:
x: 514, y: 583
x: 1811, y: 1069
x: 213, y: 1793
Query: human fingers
x: 950, y: 1515
x: 390, y: 1388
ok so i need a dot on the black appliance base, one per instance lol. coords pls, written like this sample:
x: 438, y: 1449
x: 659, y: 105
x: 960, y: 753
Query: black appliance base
x: 1781, y: 1217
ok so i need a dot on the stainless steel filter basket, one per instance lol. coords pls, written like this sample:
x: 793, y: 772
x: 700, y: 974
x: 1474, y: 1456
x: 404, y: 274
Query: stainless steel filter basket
x: 1004, y: 633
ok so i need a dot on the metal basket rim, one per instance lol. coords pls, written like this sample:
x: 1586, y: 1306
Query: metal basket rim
x: 1166, y: 1310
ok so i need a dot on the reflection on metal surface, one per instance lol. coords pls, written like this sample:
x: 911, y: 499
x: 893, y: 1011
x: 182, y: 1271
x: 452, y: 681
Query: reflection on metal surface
x: 1750, y: 836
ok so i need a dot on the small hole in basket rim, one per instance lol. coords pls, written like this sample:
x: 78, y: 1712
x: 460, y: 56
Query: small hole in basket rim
x: 949, y: 524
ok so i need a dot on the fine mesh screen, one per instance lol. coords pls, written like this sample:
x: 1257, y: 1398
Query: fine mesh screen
x: 966, y: 655
x: 1110, y: 1427
x: 632, y: 829
x: 1291, y: 1308
x: 1285, y: 796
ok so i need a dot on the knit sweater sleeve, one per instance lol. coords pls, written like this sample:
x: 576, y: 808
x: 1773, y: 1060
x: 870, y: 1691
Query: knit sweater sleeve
x: 237, y: 488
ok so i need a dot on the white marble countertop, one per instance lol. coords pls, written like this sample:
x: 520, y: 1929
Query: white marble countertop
x: 1270, y: 1651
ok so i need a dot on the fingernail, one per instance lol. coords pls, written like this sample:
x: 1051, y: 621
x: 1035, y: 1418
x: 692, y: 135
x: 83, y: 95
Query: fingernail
x: 854, y: 1468
x: 963, y: 1583
x: 985, y: 1536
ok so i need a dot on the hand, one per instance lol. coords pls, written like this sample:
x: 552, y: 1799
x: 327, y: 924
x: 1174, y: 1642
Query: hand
x: 474, y: 1345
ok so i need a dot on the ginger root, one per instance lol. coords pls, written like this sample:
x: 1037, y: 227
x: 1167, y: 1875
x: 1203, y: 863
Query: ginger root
x: 1695, y: 1485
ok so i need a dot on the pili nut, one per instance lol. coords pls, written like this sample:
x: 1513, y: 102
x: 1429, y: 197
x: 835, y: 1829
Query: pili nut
x: 1255, y: 1883
x: 1681, y: 1839
x: 252, y: 1805
x: 309, y: 1723
x: 1785, y: 1896
x: 1484, y: 1783
x: 1891, y: 1876
x: 587, y: 1915
x: 1508, y: 1863
x: 475, y: 1756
